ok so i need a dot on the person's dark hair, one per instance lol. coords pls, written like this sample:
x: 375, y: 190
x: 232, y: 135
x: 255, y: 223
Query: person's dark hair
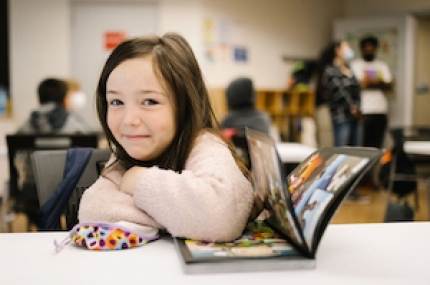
x: 52, y: 90
x: 327, y: 57
x: 369, y: 40
x: 177, y: 68
x: 240, y: 93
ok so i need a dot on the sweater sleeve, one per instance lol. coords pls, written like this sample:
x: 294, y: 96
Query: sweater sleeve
x: 335, y: 87
x: 210, y: 200
x: 104, y: 202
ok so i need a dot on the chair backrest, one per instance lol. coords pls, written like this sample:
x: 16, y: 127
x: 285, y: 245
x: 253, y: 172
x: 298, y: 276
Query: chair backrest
x: 48, y: 168
x: 241, y: 145
x: 32, y: 142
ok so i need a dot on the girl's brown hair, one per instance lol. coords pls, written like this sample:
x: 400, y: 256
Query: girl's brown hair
x: 176, y: 66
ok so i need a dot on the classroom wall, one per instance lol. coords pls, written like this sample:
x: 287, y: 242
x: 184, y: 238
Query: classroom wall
x: 421, y: 115
x: 39, y: 46
x: 271, y: 29
x: 365, y: 8
x: 40, y: 39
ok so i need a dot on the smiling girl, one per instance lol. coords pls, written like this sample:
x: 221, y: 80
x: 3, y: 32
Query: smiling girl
x: 170, y: 169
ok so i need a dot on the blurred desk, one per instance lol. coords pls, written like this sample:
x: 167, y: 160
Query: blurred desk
x: 293, y: 152
x: 417, y: 147
x: 391, y: 253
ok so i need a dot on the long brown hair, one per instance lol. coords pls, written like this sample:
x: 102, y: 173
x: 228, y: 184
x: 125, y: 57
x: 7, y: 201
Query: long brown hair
x: 176, y: 67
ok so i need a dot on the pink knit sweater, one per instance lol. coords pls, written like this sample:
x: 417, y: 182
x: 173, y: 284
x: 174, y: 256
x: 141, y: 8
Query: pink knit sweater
x: 210, y: 200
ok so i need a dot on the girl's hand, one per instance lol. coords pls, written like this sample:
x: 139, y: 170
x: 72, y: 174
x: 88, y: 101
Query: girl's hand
x: 130, y: 178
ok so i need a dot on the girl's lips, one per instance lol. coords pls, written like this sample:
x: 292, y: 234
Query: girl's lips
x: 135, y: 137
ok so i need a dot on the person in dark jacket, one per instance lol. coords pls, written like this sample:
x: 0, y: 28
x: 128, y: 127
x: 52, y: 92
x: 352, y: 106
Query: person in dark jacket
x: 52, y: 117
x: 242, y: 112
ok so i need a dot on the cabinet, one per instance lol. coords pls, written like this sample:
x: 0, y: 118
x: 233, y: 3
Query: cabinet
x: 286, y: 107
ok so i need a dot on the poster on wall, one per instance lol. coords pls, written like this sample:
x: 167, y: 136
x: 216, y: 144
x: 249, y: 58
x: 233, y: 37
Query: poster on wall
x: 112, y: 39
x: 387, y: 50
x: 240, y: 54
x: 223, y: 42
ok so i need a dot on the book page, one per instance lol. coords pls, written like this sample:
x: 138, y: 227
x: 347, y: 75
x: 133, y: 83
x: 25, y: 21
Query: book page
x: 257, y: 241
x: 270, y: 185
x: 316, y: 183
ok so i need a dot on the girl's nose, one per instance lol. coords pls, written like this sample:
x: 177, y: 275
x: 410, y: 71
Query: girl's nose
x: 131, y: 116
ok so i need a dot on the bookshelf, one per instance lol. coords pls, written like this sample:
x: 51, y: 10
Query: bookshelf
x: 285, y: 107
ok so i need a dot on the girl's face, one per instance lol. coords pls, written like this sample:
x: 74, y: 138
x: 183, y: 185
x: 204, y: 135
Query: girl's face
x: 140, y: 113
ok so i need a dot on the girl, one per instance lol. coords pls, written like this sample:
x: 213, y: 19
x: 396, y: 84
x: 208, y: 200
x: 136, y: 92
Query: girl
x: 169, y: 169
x: 338, y: 86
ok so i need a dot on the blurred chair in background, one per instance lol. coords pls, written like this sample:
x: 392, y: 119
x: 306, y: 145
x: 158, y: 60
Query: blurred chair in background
x: 48, y: 167
x: 22, y: 192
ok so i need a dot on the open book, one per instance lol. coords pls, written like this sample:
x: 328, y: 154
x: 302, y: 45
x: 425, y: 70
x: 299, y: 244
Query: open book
x: 299, y: 206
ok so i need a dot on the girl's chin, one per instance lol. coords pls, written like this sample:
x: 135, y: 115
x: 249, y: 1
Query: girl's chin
x: 138, y: 155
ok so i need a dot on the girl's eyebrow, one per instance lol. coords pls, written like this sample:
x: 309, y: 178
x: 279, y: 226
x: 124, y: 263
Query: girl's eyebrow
x: 144, y: 91
x: 111, y: 92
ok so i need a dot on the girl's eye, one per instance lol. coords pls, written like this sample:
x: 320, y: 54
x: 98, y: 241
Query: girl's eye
x: 115, y: 102
x: 150, y: 102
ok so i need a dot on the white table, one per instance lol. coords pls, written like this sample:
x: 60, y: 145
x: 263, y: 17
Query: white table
x: 417, y: 147
x: 396, y: 253
x: 290, y: 152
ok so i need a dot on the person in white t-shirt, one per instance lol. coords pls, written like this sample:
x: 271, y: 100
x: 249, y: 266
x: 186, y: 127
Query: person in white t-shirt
x: 375, y: 79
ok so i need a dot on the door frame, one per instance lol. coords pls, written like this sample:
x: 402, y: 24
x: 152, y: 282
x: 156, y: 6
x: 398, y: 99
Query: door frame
x: 401, y: 107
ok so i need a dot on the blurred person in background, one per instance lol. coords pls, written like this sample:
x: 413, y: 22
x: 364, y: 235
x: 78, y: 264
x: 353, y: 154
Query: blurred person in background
x: 52, y: 116
x: 375, y: 79
x: 338, y: 86
x: 242, y: 113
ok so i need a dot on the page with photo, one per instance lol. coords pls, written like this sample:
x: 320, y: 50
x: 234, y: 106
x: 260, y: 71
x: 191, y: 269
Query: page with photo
x: 315, y: 195
x: 270, y: 185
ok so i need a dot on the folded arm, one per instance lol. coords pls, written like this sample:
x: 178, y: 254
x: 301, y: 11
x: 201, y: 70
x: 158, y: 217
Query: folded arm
x: 104, y: 202
x: 210, y: 200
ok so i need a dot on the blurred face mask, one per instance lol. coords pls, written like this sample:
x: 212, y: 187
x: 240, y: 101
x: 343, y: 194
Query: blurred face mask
x: 369, y: 57
x: 348, y: 54
x: 78, y: 101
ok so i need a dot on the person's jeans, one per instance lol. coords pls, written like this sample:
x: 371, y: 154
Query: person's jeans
x: 347, y: 133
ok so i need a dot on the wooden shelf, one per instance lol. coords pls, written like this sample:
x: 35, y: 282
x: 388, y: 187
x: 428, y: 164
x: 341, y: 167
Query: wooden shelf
x: 284, y: 106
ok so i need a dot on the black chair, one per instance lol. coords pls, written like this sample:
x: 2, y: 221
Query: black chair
x: 25, y: 195
x: 48, y: 167
x: 407, y: 169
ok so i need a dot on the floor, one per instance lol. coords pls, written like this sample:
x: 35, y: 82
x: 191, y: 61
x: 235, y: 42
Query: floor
x: 348, y: 213
x: 373, y: 212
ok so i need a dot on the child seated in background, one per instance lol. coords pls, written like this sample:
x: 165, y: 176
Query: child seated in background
x: 170, y: 168
x: 52, y: 117
x: 242, y: 113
